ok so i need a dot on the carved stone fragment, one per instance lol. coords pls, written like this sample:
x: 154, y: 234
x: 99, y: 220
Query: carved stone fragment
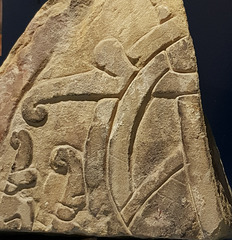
x: 101, y: 126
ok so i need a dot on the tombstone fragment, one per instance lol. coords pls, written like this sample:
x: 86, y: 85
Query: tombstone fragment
x: 101, y: 126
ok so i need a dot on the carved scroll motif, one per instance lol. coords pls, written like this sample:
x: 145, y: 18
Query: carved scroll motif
x: 22, y: 177
x: 159, y: 72
x: 110, y: 161
x: 22, y: 142
x: 66, y: 160
x: 106, y: 82
x: 106, y: 128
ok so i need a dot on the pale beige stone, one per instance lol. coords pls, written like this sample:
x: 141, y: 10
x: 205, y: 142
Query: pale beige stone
x: 164, y: 13
x: 101, y: 127
x: 174, y: 84
x: 182, y: 57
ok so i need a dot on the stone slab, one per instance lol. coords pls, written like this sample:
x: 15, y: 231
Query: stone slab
x: 102, y: 131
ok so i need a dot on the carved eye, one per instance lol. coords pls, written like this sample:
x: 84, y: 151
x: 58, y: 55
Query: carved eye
x: 59, y: 162
x: 13, y: 166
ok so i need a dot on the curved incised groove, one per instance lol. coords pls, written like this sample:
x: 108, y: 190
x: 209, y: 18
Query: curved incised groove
x: 164, y: 181
x: 139, y: 116
x: 120, y: 138
x: 90, y: 86
x: 115, y: 70
x: 152, y: 183
x: 95, y: 160
x: 22, y: 141
x: 157, y: 40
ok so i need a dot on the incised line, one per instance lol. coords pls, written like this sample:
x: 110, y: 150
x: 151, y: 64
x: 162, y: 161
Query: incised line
x: 139, y: 117
x: 186, y: 171
x: 107, y: 170
x: 157, y: 188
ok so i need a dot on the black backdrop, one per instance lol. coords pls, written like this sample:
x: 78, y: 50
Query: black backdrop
x: 210, y: 23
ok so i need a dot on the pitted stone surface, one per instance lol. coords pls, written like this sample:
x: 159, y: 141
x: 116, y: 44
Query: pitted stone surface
x: 101, y: 127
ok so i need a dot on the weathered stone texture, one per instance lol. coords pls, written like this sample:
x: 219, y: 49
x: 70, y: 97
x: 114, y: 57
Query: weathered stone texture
x: 101, y: 126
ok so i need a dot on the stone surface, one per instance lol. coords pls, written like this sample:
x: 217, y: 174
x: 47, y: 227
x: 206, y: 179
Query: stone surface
x: 101, y: 127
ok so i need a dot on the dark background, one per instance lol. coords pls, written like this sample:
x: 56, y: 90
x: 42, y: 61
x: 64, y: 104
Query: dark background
x: 210, y: 23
